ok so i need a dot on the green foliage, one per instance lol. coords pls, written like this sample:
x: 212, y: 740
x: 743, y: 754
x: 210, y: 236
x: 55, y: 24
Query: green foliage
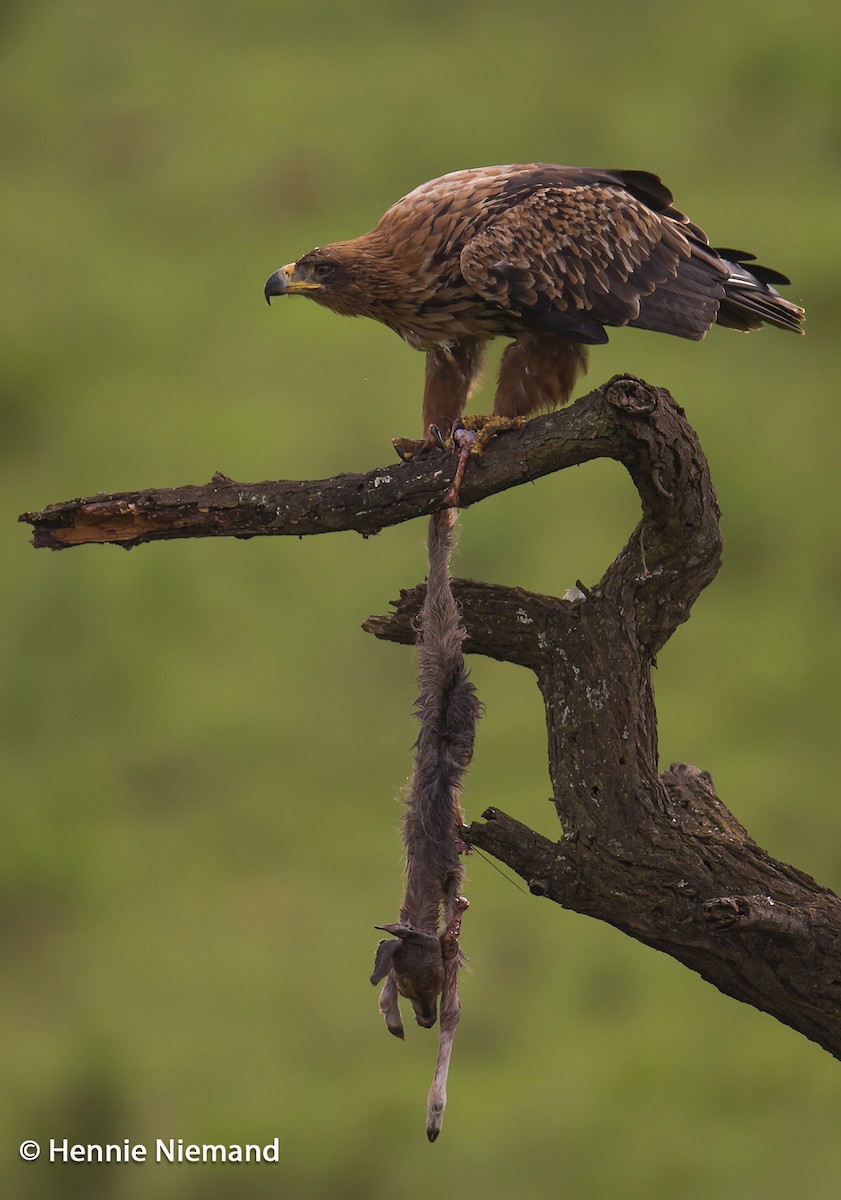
x: 202, y: 751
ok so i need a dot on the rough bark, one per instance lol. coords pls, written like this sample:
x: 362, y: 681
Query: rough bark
x: 658, y: 856
x: 366, y: 503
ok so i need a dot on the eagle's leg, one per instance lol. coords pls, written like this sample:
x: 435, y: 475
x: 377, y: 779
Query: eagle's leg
x: 485, y: 428
x: 452, y: 371
x: 538, y: 372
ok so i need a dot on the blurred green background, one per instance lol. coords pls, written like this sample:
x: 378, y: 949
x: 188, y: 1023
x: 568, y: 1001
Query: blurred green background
x: 202, y: 751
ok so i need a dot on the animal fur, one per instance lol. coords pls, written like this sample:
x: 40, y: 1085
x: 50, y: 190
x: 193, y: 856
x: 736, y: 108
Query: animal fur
x: 422, y: 962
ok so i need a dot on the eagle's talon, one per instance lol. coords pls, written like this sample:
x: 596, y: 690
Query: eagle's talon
x: 405, y: 448
x: 415, y: 449
x: 486, y: 428
x: 435, y: 435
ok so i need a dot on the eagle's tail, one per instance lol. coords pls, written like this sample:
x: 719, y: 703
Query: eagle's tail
x: 750, y: 300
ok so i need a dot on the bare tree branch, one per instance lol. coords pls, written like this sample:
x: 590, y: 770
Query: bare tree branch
x: 658, y: 856
x: 365, y: 502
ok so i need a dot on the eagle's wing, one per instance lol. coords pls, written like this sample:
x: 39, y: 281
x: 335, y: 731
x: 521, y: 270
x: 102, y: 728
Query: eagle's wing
x: 574, y: 259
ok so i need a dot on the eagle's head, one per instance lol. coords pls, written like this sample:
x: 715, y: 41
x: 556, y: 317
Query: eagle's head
x: 352, y: 278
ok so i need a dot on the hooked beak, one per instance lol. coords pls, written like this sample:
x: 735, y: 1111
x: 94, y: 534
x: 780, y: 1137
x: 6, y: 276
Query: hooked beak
x: 283, y: 283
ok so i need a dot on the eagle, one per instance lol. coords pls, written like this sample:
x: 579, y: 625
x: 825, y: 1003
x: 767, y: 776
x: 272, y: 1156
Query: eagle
x: 549, y: 256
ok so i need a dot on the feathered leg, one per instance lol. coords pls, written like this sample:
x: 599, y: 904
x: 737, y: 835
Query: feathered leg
x: 452, y: 373
x: 538, y: 371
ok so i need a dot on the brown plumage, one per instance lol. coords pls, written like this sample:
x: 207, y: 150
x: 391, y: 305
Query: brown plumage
x: 549, y: 256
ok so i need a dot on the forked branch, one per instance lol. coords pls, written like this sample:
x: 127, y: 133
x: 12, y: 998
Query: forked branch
x: 659, y: 857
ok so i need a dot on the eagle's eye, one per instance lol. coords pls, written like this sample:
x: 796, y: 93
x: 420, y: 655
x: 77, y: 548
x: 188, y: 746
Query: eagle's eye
x: 324, y: 270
